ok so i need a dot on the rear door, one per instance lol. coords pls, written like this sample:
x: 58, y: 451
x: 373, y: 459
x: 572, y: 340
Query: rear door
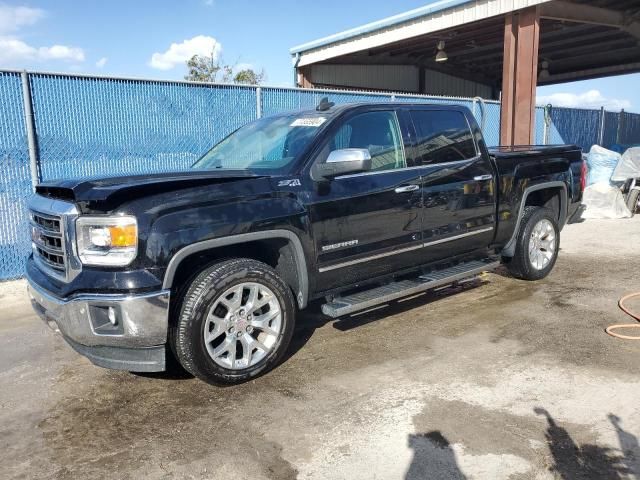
x: 367, y: 224
x: 458, y: 184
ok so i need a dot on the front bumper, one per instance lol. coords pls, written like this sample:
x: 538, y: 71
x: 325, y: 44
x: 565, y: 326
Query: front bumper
x: 123, y: 332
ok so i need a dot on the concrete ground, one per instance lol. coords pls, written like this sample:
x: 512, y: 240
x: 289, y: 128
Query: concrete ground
x: 501, y: 379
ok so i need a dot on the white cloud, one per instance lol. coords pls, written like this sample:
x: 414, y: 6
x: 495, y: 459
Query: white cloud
x: 209, y: 3
x: 590, y: 99
x: 179, y: 53
x: 13, y: 18
x: 61, y: 52
x: 102, y: 62
x: 14, y: 51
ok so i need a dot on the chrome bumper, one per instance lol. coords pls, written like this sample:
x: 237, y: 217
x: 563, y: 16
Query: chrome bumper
x: 126, y: 332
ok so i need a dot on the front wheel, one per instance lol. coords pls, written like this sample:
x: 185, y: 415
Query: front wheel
x: 537, y: 245
x: 236, y: 322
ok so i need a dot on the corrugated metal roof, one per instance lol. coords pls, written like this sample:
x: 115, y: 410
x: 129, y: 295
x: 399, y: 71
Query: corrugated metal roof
x: 378, y: 24
x: 430, y: 18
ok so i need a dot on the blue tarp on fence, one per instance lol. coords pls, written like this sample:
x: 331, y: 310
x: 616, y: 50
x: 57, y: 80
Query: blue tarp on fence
x: 94, y: 126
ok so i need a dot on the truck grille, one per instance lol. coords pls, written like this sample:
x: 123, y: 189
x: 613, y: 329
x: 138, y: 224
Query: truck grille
x: 48, y: 242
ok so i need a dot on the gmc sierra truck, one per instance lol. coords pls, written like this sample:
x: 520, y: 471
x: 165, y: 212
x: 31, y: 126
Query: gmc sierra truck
x: 352, y: 205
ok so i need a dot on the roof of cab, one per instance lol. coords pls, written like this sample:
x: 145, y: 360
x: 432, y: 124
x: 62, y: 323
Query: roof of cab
x: 339, y: 108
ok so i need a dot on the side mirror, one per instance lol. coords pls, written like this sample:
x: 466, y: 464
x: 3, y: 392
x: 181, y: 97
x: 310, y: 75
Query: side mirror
x: 344, y: 161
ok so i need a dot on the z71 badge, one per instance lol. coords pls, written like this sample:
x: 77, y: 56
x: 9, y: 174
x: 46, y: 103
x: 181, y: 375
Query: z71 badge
x: 292, y: 182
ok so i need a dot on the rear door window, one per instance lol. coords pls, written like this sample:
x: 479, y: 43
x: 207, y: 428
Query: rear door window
x: 442, y: 136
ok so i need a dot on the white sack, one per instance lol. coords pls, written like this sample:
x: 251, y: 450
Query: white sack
x: 628, y: 166
x: 604, y: 201
x: 601, y: 163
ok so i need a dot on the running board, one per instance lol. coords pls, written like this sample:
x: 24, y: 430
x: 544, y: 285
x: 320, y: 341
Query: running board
x: 346, y: 305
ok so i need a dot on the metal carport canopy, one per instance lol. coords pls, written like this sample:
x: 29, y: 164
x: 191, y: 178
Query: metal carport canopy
x: 543, y: 41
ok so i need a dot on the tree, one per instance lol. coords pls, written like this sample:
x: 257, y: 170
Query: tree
x: 249, y: 77
x: 207, y: 68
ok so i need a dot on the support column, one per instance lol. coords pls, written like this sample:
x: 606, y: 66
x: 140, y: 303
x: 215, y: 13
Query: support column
x: 519, y: 77
x: 304, y: 80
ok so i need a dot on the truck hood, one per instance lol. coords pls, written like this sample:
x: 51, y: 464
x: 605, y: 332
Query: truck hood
x: 109, y: 192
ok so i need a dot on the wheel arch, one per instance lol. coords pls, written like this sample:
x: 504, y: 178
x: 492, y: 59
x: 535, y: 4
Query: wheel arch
x: 286, y: 255
x: 541, y: 195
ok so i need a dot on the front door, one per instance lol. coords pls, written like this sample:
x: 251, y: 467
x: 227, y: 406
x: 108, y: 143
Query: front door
x: 367, y: 224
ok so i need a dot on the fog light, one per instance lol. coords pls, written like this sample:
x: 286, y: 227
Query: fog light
x: 112, y: 316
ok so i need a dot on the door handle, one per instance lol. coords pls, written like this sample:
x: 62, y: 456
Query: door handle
x: 479, y: 178
x: 407, y: 188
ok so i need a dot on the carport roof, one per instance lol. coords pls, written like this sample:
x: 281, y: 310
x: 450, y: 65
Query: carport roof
x: 579, y: 39
x: 378, y: 24
x: 430, y: 18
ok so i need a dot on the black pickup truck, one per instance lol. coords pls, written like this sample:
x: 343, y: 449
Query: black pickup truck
x: 357, y: 205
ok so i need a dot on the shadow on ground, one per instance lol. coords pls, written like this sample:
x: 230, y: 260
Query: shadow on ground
x: 573, y: 461
x: 433, y: 456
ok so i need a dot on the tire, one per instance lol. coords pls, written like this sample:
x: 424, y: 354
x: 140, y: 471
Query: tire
x: 221, y: 299
x: 537, y: 265
x: 632, y: 200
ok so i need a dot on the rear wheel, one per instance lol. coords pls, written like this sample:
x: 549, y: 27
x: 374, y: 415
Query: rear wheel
x: 537, y: 245
x: 236, y: 322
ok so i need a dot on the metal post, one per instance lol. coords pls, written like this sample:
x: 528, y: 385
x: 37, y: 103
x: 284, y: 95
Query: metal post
x: 620, y: 126
x: 480, y: 101
x: 547, y: 124
x: 393, y: 97
x: 258, y: 102
x: 601, y: 133
x: 31, y: 130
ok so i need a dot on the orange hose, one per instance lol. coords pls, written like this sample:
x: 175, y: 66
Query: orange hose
x: 636, y: 316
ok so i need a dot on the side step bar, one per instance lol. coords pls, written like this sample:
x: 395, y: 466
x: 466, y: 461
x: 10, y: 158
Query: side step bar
x: 346, y: 305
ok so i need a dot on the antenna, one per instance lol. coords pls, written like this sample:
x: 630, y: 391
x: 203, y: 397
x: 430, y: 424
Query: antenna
x: 324, y: 105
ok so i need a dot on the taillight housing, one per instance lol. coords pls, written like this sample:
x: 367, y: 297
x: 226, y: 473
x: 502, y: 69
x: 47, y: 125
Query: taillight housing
x: 583, y: 175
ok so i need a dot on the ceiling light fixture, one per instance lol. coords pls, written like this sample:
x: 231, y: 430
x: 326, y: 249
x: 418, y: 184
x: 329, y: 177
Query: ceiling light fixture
x: 544, y: 71
x: 441, y: 56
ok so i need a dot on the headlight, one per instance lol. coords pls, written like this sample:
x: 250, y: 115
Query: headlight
x: 111, y: 241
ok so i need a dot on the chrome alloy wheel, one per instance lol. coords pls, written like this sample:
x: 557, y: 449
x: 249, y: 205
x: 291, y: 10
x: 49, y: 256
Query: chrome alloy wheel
x: 243, y: 325
x: 542, y: 244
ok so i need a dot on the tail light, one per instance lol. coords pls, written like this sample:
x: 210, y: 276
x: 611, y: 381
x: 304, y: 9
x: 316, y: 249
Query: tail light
x: 583, y: 175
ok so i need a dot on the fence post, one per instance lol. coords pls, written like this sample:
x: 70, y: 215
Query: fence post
x: 480, y: 101
x: 601, y: 133
x: 547, y: 124
x: 393, y: 97
x: 258, y: 102
x: 31, y: 130
x: 620, y: 126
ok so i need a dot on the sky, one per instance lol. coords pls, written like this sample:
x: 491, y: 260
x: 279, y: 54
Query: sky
x: 152, y: 39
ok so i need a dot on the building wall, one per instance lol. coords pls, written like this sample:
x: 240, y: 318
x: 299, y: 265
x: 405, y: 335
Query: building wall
x: 397, y: 78
x: 438, y: 83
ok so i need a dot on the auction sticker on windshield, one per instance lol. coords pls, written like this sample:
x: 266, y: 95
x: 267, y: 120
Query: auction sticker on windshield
x: 308, y: 122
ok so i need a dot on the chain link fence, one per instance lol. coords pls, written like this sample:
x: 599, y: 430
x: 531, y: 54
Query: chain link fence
x: 15, y: 178
x: 87, y: 126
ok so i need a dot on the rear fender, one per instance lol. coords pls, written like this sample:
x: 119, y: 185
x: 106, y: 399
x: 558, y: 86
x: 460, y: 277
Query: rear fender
x: 510, y: 247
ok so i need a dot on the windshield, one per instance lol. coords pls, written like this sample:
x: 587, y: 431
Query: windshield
x: 271, y: 143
